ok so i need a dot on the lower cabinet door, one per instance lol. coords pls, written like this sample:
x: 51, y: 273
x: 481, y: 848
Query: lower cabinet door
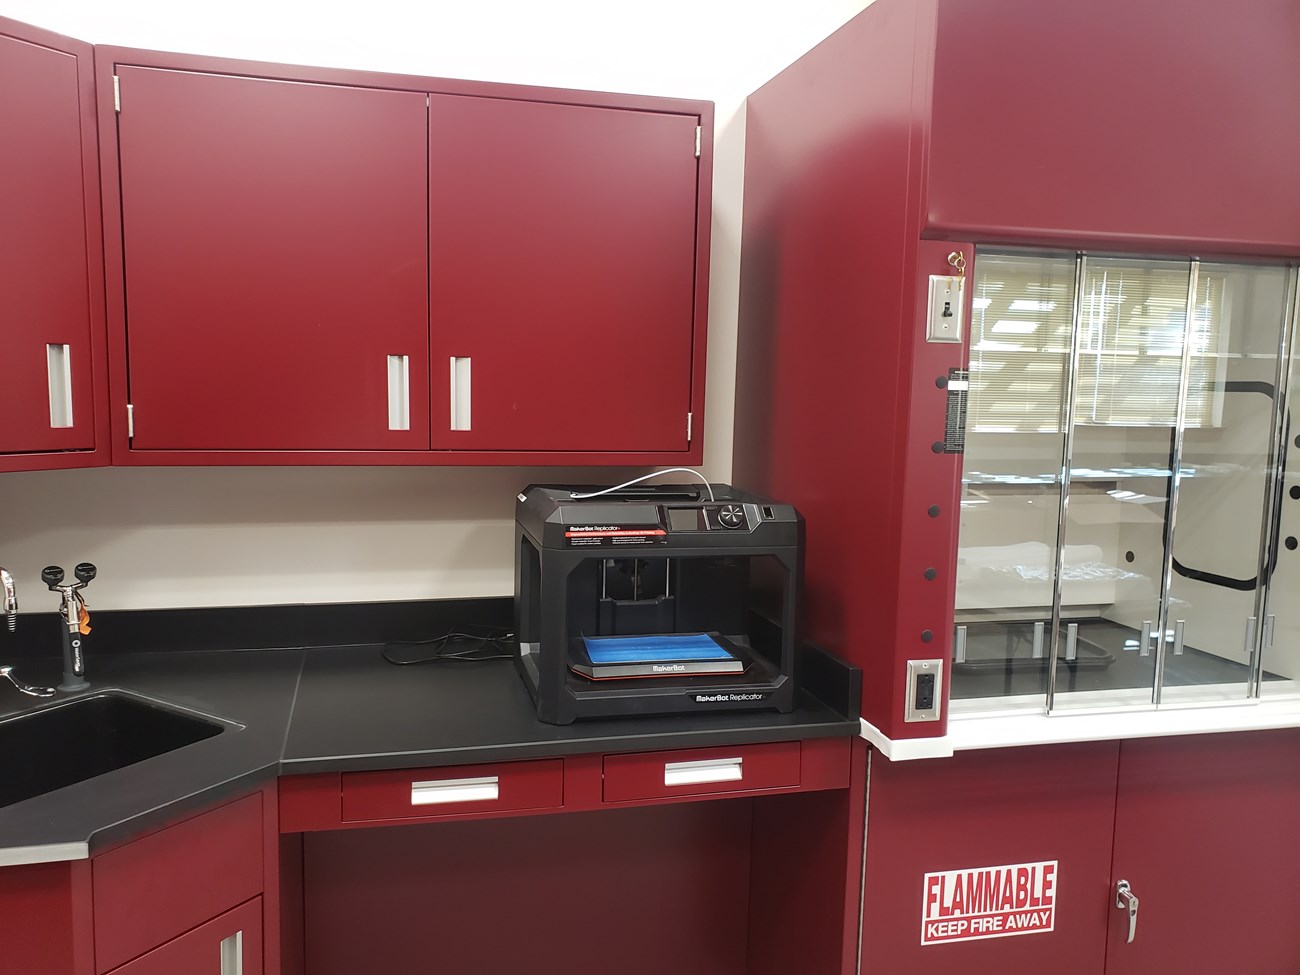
x: 227, y: 945
x: 1207, y: 836
x: 990, y: 862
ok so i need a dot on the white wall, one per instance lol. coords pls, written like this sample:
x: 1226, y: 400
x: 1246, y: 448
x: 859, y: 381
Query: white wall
x: 250, y: 536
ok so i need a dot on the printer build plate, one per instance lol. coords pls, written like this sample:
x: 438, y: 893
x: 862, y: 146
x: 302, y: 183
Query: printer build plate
x: 655, y: 655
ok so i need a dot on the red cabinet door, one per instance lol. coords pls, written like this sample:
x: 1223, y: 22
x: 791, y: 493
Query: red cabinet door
x: 274, y: 235
x: 1206, y: 835
x: 972, y: 814
x: 562, y: 276
x: 45, y: 282
x: 227, y: 945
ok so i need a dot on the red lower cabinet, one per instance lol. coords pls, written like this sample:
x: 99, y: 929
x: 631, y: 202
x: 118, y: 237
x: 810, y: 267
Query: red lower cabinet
x: 1009, y: 860
x: 169, y: 882
x: 227, y: 945
x: 990, y: 862
x: 179, y: 901
x: 1207, y: 834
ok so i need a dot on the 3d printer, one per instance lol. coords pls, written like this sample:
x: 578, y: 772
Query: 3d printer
x: 657, y: 599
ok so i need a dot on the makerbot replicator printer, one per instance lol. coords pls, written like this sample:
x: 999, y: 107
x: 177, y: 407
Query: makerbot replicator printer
x: 656, y: 599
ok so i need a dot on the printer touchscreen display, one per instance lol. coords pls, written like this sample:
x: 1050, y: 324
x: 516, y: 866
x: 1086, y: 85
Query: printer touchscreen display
x: 684, y: 519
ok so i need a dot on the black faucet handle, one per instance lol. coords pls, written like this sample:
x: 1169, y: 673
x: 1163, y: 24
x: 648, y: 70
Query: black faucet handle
x: 52, y: 575
x: 84, y: 572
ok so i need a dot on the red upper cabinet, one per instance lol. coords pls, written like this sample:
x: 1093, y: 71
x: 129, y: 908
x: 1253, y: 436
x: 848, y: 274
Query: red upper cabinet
x: 51, y: 279
x: 274, y: 240
x: 1140, y: 126
x: 562, y: 275
x: 335, y: 267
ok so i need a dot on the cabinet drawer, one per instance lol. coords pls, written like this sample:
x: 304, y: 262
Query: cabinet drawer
x: 701, y: 771
x: 171, y: 881
x: 463, y: 789
x: 227, y: 945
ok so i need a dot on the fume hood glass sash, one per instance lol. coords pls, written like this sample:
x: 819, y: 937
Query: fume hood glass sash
x: 1219, y: 560
x: 1129, y: 401
x: 1023, y: 309
x: 1278, y: 653
x: 1163, y: 386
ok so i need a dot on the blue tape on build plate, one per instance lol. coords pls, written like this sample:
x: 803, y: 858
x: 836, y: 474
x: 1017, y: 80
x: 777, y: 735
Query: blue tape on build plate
x: 638, y: 649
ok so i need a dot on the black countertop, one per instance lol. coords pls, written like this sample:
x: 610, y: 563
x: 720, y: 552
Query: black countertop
x: 355, y: 711
x: 294, y: 711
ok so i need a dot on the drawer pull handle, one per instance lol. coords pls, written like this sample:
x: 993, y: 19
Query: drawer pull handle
x: 699, y: 773
x: 232, y: 954
x: 484, y: 789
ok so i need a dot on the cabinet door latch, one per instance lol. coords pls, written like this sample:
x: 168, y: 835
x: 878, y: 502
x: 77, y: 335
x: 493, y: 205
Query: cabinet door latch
x: 1126, y: 900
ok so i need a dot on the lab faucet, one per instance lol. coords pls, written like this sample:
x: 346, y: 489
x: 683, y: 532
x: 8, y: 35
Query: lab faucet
x: 11, y: 616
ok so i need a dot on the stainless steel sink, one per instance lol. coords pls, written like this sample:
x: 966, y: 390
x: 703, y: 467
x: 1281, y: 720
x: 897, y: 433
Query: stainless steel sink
x: 70, y: 742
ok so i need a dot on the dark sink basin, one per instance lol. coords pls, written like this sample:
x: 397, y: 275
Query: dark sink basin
x: 68, y: 743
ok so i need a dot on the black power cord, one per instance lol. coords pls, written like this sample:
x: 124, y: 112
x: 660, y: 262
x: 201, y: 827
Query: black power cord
x: 456, y: 646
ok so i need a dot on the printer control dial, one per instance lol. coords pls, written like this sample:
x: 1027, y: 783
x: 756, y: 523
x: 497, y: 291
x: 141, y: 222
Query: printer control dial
x: 731, y: 516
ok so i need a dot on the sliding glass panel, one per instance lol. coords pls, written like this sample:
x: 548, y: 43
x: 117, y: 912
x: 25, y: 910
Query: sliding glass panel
x: 1281, y: 630
x: 1130, y: 362
x: 1020, y: 351
x: 1220, y: 525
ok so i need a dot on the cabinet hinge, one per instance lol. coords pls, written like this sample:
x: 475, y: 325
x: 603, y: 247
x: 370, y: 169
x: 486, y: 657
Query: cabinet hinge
x: 689, y: 418
x: 699, y: 135
x: 130, y: 421
x: 117, y: 96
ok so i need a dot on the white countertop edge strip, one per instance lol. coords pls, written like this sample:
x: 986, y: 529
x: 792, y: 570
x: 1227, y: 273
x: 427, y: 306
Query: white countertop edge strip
x: 968, y: 732
x: 15, y: 856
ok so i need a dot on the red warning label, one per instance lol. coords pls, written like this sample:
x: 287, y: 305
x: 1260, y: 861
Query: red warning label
x: 583, y: 536
x: 989, y: 902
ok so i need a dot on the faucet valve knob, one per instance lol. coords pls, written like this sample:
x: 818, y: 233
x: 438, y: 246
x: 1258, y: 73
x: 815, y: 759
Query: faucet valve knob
x: 52, y: 575
x: 85, y: 572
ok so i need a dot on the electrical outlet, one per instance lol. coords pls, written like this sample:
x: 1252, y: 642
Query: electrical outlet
x: 924, y: 690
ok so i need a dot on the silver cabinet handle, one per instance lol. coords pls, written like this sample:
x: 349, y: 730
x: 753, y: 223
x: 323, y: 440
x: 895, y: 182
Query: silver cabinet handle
x: 232, y: 954
x: 460, y: 392
x: 486, y: 788
x: 1148, y: 631
x: 1072, y: 642
x: 1039, y: 627
x: 58, y: 360
x: 699, y: 773
x: 959, y: 646
x: 1179, y: 627
x: 1126, y: 900
x: 399, y: 392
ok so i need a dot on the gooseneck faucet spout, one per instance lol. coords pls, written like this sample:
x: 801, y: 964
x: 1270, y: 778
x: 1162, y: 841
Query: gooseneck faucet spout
x: 11, y: 613
x: 10, y: 599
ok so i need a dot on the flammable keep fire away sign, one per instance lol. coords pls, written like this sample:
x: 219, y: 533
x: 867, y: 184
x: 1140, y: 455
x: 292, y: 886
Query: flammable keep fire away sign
x: 989, y: 902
